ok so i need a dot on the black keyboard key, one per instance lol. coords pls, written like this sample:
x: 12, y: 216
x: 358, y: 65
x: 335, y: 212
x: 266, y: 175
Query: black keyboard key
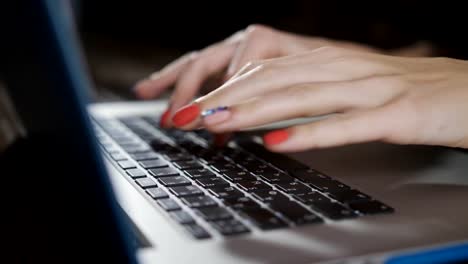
x: 296, y: 213
x: 245, y: 159
x: 263, y: 171
x: 184, y: 191
x: 306, y: 174
x: 280, y: 161
x: 264, y: 219
x: 157, y: 193
x: 118, y: 156
x: 174, y: 181
x: 163, y: 172
x: 199, y: 201
x: 182, y: 217
x: 214, y: 213
x: 168, y: 204
x: 238, y: 175
x: 210, y: 158
x: 136, y: 173
x: 159, y: 145
x: 251, y: 186
x: 230, y: 227
x: 154, y: 163
x: 241, y: 203
x: 144, y: 156
x: 329, y: 186
x: 290, y: 209
x: 226, y: 192
x: 231, y: 152
x: 189, y: 145
x: 293, y: 187
x: 146, y: 183
x: 165, y: 148
x: 348, y: 196
x: 311, y: 197
x: 188, y: 164
x: 126, y: 164
x: 197, y: 231
x: 276, y: 177
x: 333, y: 210
x: 268, y: 196
x: 212, y: 182
x: 254, y: 164
x: 199, y: 173
x: 319, y: 181
x: 223, y: 166
x: 371, y: 207
x: 178, y: 156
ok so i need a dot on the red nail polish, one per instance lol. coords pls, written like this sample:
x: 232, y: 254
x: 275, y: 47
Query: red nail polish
x: 164, y: 118
x: 185, y: 115
x: 275, y: 137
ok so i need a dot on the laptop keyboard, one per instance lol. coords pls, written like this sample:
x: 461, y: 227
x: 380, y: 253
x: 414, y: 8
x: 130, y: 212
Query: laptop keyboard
x: 231, y: 190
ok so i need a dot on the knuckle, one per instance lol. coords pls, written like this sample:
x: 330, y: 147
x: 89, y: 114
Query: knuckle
x: 197, y: 63
x: 193, y: 55
x: 257, y: 30
x: 252, y: 64
x: 248, y: 66
x: 256, y: 27
x: 265, y: 68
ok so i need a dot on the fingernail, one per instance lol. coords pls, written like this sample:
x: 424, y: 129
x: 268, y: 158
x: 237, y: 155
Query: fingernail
x: 186, y: 115
x: 216, y: 115
x: 163, y: 122
x: 275, y: 137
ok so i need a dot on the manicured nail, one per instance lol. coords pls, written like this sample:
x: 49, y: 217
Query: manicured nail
x: 216, y: 115
x: 186, y: 115
x: 275, y: 137
x: 163, y: 122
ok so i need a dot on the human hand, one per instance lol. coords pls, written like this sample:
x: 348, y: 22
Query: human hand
x: 371, y: 97
x: 191, y: 71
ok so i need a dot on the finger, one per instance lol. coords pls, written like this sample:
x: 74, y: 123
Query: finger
x: 284, y: 72
x: 159, y: 81
x: 259, y: 43
x: 311, y: 99
x: 274, y: 74
x: 247, y: 87
x: 304, y: 100
x: 209, y: 62
x: 357, y: 127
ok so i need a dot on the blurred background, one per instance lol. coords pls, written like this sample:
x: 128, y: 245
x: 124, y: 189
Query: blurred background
x: 127, y: 40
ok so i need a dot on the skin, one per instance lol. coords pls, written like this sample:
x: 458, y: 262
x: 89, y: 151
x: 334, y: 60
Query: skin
x: 188, y: 73
x: 371, y: 96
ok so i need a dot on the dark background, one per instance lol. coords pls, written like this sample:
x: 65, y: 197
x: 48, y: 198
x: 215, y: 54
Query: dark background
x: 126, y: 40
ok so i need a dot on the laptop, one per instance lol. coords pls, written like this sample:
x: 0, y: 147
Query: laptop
x: 104, y: 181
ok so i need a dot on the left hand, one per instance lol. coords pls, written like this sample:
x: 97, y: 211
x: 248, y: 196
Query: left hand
x: 374, y: 97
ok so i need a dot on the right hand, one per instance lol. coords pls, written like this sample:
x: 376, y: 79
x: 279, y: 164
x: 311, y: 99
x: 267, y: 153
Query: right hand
x: 191, y: 71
